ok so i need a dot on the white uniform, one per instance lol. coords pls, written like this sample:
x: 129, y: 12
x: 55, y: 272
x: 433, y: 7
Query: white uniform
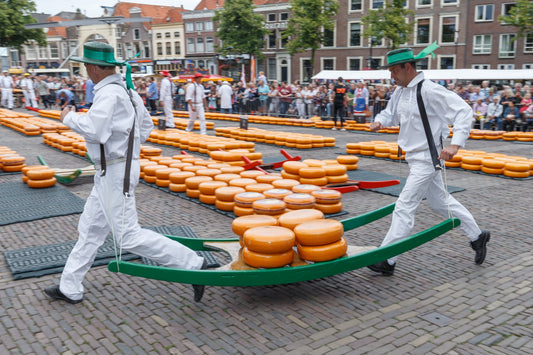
x: 443, y: 108
x: 107, y: 209
x: 195, y: 93
x: 6, y: 84
x: 165, y: 95
x: 225, y: 92
x: 28, y: 90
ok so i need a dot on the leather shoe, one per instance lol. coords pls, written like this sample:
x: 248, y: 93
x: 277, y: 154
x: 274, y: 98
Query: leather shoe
x: 384, y: 267
x: 480, y: 247
x: 199, y: 289
x: 54, y: 293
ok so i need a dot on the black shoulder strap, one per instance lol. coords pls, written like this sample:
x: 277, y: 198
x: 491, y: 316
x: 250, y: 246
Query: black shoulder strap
x: 427, y: 128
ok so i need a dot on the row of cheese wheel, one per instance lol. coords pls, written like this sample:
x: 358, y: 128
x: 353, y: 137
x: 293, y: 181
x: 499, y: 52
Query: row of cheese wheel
x: 379, y: 149
x: 492, y: 163
x: 182, y: 123
x: 66, y: 142
x: 506, y: 136
x: 28, y: 124
x: 259, y: 119
x: 10, y: 160
x: 286, y: 139
x: 38, y: 176
x: 320, y: 172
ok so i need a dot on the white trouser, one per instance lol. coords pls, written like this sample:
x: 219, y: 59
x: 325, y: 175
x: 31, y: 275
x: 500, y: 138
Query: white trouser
x: 108, y: 210
x: 199, y: 114
x: 29, y: 97
x: 7, y: 97
x: 301, y: 109
x: 167, y: 108
x: 424, y: 182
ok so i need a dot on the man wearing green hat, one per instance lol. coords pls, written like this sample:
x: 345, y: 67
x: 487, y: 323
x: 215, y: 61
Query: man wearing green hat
x: 114, y: 128
x: 415, y: 99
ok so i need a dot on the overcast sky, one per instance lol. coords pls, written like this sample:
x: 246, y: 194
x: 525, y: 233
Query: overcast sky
x: 92, y: 8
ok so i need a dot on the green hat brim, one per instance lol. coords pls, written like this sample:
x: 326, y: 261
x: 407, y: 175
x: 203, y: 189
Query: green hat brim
x: 411, y: 60
x: 94, y: 61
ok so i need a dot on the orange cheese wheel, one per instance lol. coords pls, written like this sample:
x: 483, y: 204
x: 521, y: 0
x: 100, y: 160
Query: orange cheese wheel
x: 162, y: 182
x: 242, y: 224
x: 179, y: 177
x: 314, y: 181
x: 150, y: 151
x: 251, y: 174
x: 209, y: 187
x: 516, y: 174
x: 314, y: 162
x: 151, y: 169
x: 24, y: 177
x: 293, y: 218
x: 258, y: 187
x: 151, y: 179
x: 40, y: 174
x: 269, y: 206
x: 39, y: 184
x: 452, y: 164
x: 335, y: 169
x: 319, y: 232
x: 242, y: 182
x: 12, y: 160
x: 488, y: 170
x: 267, y: 261
x: 323, y: 252
x: 247, y: 198
x: 33, y: 167
x: 192, y: 168
x: 177, y: 187
x: 347, y: 159
x: 312, y: 172
x: 166, y: 162
x: 337, y: 179
x: 208, y: 172
x: 493, y: 163
x: 285, y: 184
x: 293, y: 167
x: 267, y: 178
x: 520, y: 167
x: 178, y: 165
x: 194, y: 181
x: 242, y: 211
x: 232, y: 169
x: 226, y: 177
x: 298, y: 201
x: 228, y: 193
x: 472, y: 159
x: 207, y: 199
x: 305, y: 188
x: 193, y: 193
x: 269, y: 239
x: 352, y: 166
x: 277, y: 193
x: 470, y: 166
x: 164, y: 174
x: 286, y: 175
x: 329, y: 208
x: 224, y: 205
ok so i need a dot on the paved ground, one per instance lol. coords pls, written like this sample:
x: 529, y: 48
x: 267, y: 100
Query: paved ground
x: 438, y: 301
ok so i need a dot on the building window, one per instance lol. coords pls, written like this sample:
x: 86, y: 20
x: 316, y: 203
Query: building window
x: 190, y: 45
x: 146, y: 49
x: 73, y: 48
x: 482, y: 44
x: 447, y: 2
x: 129, y: 50
x: 447, y: 62
x: 208, y: 25
x: 356, y: 5
x: 528, y: 43
x: 137, y: 48
x: 307, y: 70
x: 271, y: 72
x: 484, y: 13
x: 506, y: 66
x: 423, y: 2
x: 376, y: 4
x: 355, y: 35
x: 119, y: 50
x: 284, y: 16
x: 136, y: 34
x: 527, y: 66
x: 54, y: 50
x: 176, y: 35
x: 423, y: 64
x: 43, y: 52
x: 271, y: 40
x: 168, y: 48
x: 201, y: 64
x: 158, y: 35
x: 159, y: 48
x: 177, y: 48
x: 328, y: 64
x: 329, y: 38
x: 422, y: 31
x: 480, y: 66
x: 31, y: 53
x: 271, y: 17
x: 507, y: 7
x: 209, y: 44
x: 189, y: 27
x: 64, y: 49
x: 354, y: 64
x: 283, y: 42
x: 200, y: 45
x: 507, y: 45
x: 118, y: 32
x: 199, y: 26
x: 167, y: 34
x: 448, y: 29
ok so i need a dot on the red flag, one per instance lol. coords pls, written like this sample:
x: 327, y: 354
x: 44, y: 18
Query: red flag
x: 252, y: 69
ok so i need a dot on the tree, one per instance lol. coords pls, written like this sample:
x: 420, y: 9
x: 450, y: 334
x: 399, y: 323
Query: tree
x: 307, y: 24
x: 14, y: 14
x: 520, y: 16
x: 388, y: 22
x: 240, y: 29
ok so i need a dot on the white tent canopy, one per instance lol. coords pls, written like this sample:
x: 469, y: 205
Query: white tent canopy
x: 432, y: 74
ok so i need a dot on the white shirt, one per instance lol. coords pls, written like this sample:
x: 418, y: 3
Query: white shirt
x: 26, y: 83
x: 443, y: 108
x: 6, y: 82
x: 110, y: 119
x: 165, y: 91
x: 195, y: 93
x: 225, y: 93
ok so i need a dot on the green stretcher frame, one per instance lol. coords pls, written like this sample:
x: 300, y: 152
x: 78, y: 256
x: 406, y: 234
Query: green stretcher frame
x: 74, y: 177
x: 284, y: 275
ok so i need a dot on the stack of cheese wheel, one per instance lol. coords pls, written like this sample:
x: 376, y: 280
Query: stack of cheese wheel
x: 328, y: 201
x: 277, y: 193
x: 38, y: 178
x: 144, y: 163
x: 193, y: 184
x: 519, y: 169
x: 268, y: 247
x: 313, y: 175
x: 147, y: 151
x: 293, y: 218
x: 291, y: 169
x: 242, y: 224
x: 305, y: 188
x: 349, y: 161
x: 393, y: 152
x: 12, y: 162
x: 285, y: 183
x: 336, y: 173
x: 162, y: 176
x: 177, y: 180
x: 150, y: 172
x: 225, y: 197
x: 258, y: 187
x: 320, y: 240
x: 208, y: 189
x: 243, y: 202
x: 299, y: 201
x: 471, y: 162
x: 353, y: 148
x: 268, y: 178
x: 226, y: 177
x: 492, y: 166
x: 269, y: 206
x: 251, y: 174
x: 454, y: 162
x: 382, y: 151
x: 367, y: 148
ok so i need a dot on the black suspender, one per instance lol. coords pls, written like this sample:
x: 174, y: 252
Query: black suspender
x: 427, y: 128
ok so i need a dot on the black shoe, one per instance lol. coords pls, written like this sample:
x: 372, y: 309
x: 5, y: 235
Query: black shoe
x: 54, y: 293
x: 384, y: 267
x: 199, y: 289
x: 480, y: 247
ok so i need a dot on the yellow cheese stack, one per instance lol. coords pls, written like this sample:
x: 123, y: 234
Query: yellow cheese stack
x: 268, y: 246
x: 39, y: 177
x: 320, y: 240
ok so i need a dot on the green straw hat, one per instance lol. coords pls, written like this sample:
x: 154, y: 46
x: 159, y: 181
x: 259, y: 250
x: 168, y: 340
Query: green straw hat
x: 405, y: 55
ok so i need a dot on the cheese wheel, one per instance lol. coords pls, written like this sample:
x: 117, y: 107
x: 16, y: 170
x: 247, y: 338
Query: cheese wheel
x: 520, y: 167
x: 472, y: 160
x: 208, y: 172
x: 293, y: 218
x: 269, y: 206
x: 335, y: 169
x: 305, y: 188
x: 242, y: 224
x: 329, y: 208
x: 179, y: 165
x: 12, y: 160
x: 355, y: 166
x: 299, y: 201
x: 293, y: 167
x: 192, y: 193
x: 228, y: 193
x: 177, y: 187
x: 242, y: 211
x: 166, y: 162
x: 286, y: 175
x: 232, y: 169
x: 224, y: 205
x: 39, y: 184
x: 312, y: 172
x: 33, y: 167
x: 488, y: 170
x: 314, y: 162
x: 516, y: 174
x: 162, y: 182
x: 337, y: 179
x: 251, y: 174
x: 470, y: 166
x: 319, y: 232
x: 242, y: 182
x: 179, y: 177
x: 207, y: 199
x: 493, y: 163
x: 258, y: 187
x: 192, y: 168
x: 323, y: 252
x: 40, y: 174
x: 226, y: 177
x: 163, y: 174
x: 314, y: 181
x: 348, y: 159
x: 267, y: 261
x: 151, y: 179
x: 452, y: 164
x: 246, y: 199
x: 285, y: 184
x: 277, y: 193
x: 151, y: 169
x: 269, y: 239
x: 267, y: 178
x: 194, y: 181
x: 209, y: 187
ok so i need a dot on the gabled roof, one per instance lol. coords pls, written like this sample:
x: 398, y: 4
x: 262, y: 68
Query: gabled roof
x: 158, y: 13
x: 173, y: 16
x: 217, y: 4
x: 57, y: 31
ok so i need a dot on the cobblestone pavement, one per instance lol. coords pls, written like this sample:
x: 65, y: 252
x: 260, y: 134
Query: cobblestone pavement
x: 438, y: 301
